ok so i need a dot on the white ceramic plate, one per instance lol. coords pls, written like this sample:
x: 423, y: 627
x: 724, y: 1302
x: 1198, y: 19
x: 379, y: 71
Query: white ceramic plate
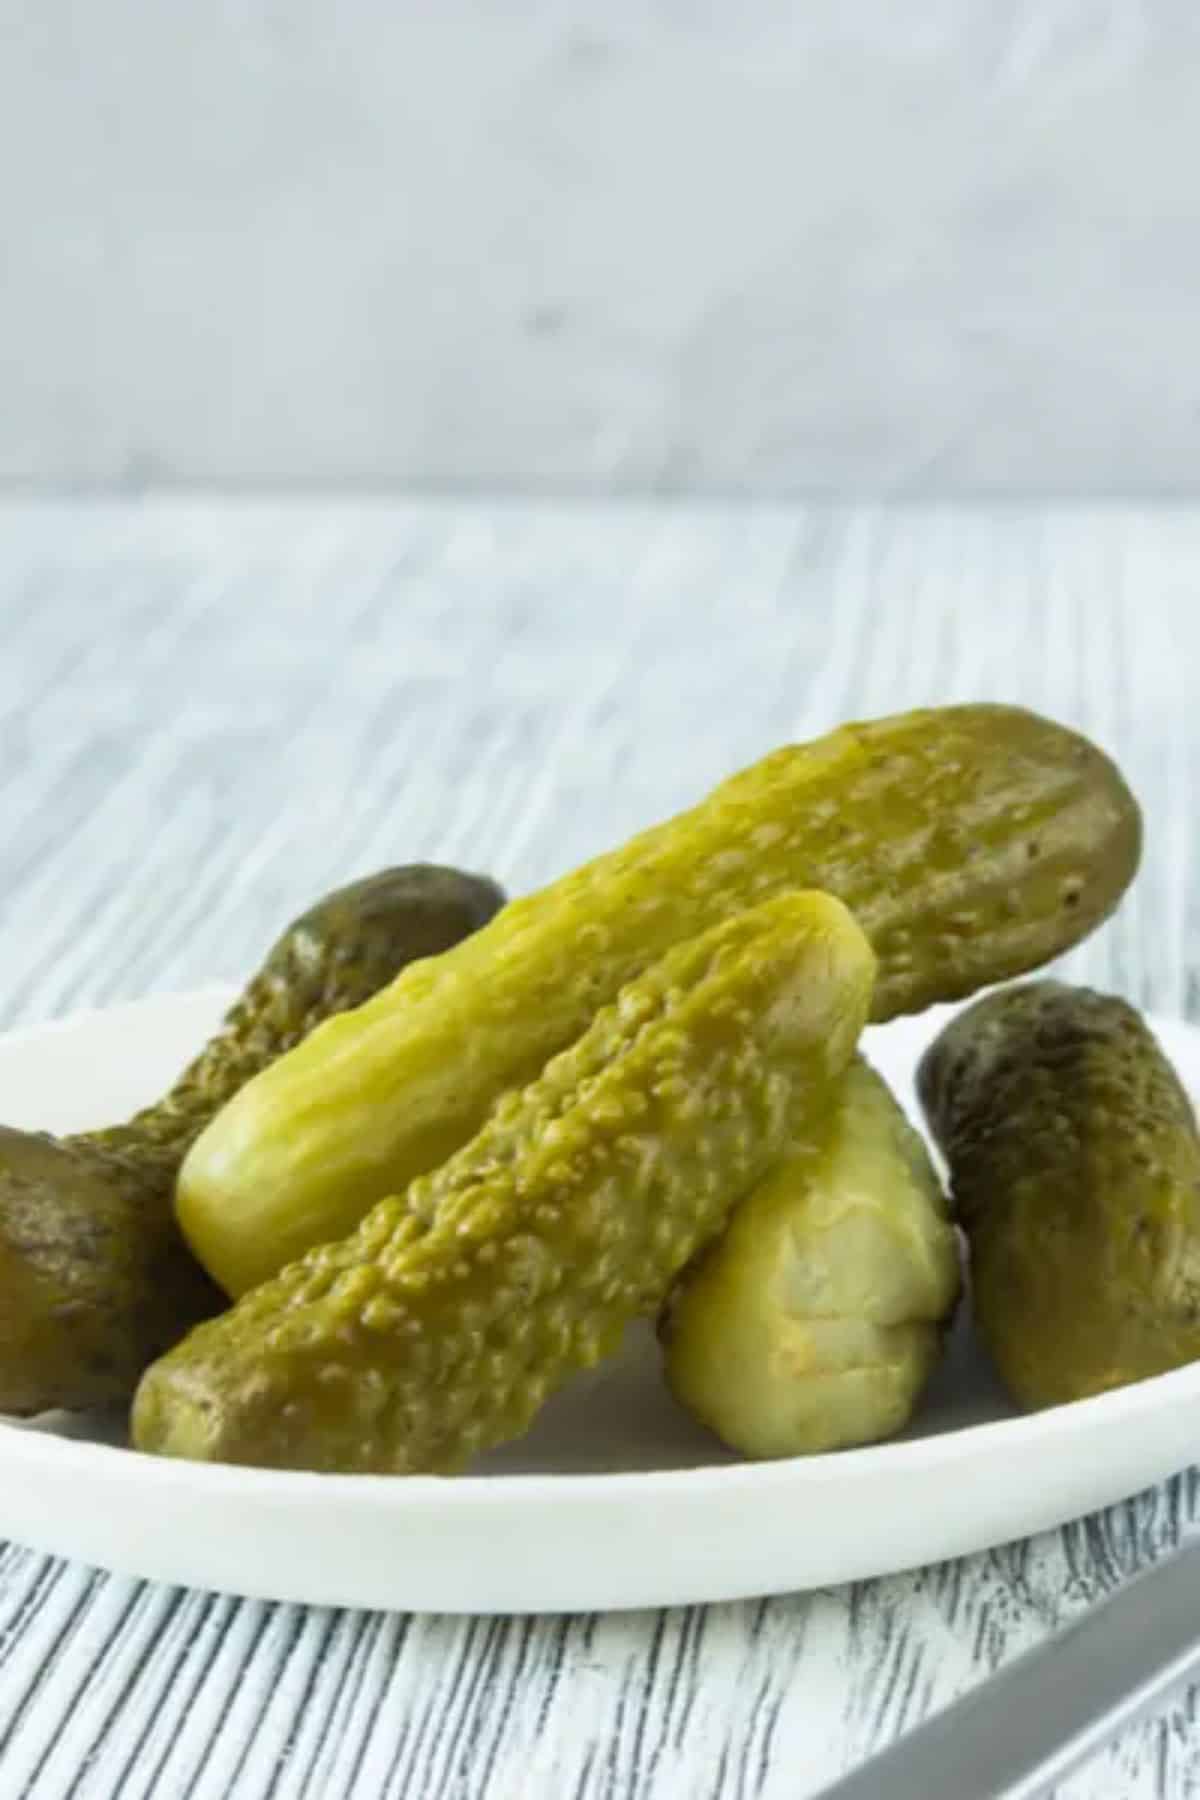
x: 615, y: 1499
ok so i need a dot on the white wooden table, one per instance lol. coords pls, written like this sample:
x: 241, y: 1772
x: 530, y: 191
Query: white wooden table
x: 211, y: 712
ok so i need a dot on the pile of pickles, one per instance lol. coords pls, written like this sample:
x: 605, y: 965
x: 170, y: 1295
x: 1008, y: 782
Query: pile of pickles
x: 444, y: 1150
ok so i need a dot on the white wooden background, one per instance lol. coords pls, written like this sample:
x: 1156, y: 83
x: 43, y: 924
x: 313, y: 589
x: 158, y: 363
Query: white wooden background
x: 210, y: 713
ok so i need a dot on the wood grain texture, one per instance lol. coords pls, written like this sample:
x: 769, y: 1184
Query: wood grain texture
x: 210, y: 713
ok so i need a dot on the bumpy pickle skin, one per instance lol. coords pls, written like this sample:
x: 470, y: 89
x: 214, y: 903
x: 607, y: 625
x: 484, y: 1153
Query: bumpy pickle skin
x: 95, y: 1278
x: 971, y: 842
x: 815, y: 1320
x: 1075, y: 1171
x: 444, y: 1321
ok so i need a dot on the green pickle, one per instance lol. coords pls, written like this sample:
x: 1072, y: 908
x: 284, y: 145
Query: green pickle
x: 1075, y: 1169
x: 972, y: 843
x: 815, y: 1321
x: 444, y: 1321
x: 95, y: 1278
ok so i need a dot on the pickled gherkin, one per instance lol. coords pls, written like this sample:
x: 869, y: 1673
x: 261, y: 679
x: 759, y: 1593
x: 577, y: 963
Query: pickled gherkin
x: 95, y: 1278
x: 971, y: 842
x: 1075, y: 1168
x: 332, y: 958
x: 442, y: 1323
x: 815, y: 1320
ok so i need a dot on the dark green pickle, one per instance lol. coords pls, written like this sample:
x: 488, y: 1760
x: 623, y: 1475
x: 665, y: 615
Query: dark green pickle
x: 95, y: 1278
x: 1075, y: 1169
